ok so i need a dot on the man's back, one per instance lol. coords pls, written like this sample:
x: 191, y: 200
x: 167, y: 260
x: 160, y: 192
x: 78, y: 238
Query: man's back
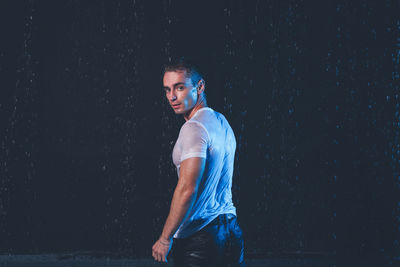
x: 207, y: 134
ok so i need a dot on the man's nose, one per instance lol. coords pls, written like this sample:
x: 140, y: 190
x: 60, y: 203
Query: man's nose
x: 172, y: 96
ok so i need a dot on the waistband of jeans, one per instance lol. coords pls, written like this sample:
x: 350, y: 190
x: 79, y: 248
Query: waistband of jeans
x: 223, y: 218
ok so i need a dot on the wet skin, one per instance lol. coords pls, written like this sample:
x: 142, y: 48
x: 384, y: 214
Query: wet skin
x: 183, y: 97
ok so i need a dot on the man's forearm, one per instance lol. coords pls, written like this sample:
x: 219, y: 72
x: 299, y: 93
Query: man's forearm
x: 181, y: 204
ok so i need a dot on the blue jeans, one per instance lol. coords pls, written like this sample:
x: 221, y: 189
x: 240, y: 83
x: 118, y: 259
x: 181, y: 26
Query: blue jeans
x: 220, y: 243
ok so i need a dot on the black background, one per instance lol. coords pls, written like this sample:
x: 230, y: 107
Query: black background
x: 311, y: 90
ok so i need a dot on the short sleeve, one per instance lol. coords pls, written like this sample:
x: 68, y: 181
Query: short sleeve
x: 194, y: 140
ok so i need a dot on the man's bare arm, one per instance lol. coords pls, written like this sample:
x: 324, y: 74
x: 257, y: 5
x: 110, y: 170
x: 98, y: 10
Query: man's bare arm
x: 190, y: 173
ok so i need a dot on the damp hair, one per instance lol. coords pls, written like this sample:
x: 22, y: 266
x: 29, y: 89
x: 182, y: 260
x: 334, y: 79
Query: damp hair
x: 182, y: 64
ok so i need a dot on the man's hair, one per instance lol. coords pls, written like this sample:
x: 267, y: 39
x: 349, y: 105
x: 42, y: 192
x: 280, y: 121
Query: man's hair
x: 183, y: 64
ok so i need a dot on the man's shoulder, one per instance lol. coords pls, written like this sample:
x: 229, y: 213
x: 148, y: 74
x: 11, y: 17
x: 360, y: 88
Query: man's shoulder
x: 213, y: 121
x: 193, y: 126
x: 206, y: 116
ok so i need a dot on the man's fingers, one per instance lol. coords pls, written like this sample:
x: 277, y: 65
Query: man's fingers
x: 158, y: 253
x: 156, y: 257
x: 154, y: 253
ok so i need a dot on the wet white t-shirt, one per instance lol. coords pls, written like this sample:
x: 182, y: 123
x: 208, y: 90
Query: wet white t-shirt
x: 208, y: 135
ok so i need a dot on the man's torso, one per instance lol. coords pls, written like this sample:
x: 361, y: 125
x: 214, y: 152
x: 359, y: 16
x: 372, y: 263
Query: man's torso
x: 214, y: 140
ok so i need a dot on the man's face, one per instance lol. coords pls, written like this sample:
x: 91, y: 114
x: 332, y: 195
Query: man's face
x: 179, y: 90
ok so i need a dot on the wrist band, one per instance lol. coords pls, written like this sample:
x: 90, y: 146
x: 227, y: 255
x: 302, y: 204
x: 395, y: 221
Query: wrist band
x: 163, y: 243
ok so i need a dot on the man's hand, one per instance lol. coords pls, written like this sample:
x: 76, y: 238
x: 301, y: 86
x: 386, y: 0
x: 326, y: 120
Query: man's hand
x: 161, y: 249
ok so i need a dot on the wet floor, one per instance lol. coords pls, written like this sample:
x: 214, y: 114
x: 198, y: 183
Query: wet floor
x: 62, y: 260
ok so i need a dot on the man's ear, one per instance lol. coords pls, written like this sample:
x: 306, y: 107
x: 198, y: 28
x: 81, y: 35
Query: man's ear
x: 201, y: 85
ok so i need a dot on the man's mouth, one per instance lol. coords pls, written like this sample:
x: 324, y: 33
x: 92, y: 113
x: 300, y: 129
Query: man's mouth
x: 175, y: 106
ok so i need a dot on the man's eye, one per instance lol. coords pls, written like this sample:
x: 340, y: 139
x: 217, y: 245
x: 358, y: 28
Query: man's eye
x: 181, y: 87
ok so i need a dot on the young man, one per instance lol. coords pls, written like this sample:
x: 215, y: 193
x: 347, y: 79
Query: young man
x: 201, y: 224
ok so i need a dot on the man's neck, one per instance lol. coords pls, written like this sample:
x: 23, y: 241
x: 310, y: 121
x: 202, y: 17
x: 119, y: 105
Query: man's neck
x: 190, y: 114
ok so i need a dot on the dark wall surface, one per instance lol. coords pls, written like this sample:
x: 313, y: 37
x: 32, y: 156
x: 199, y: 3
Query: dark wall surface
x: 310, y: 89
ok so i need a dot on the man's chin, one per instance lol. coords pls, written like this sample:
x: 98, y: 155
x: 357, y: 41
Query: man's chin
x: 178, y: 111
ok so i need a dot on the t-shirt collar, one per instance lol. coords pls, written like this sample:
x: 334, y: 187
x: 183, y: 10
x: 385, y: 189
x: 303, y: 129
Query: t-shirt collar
x: 203, y: 108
